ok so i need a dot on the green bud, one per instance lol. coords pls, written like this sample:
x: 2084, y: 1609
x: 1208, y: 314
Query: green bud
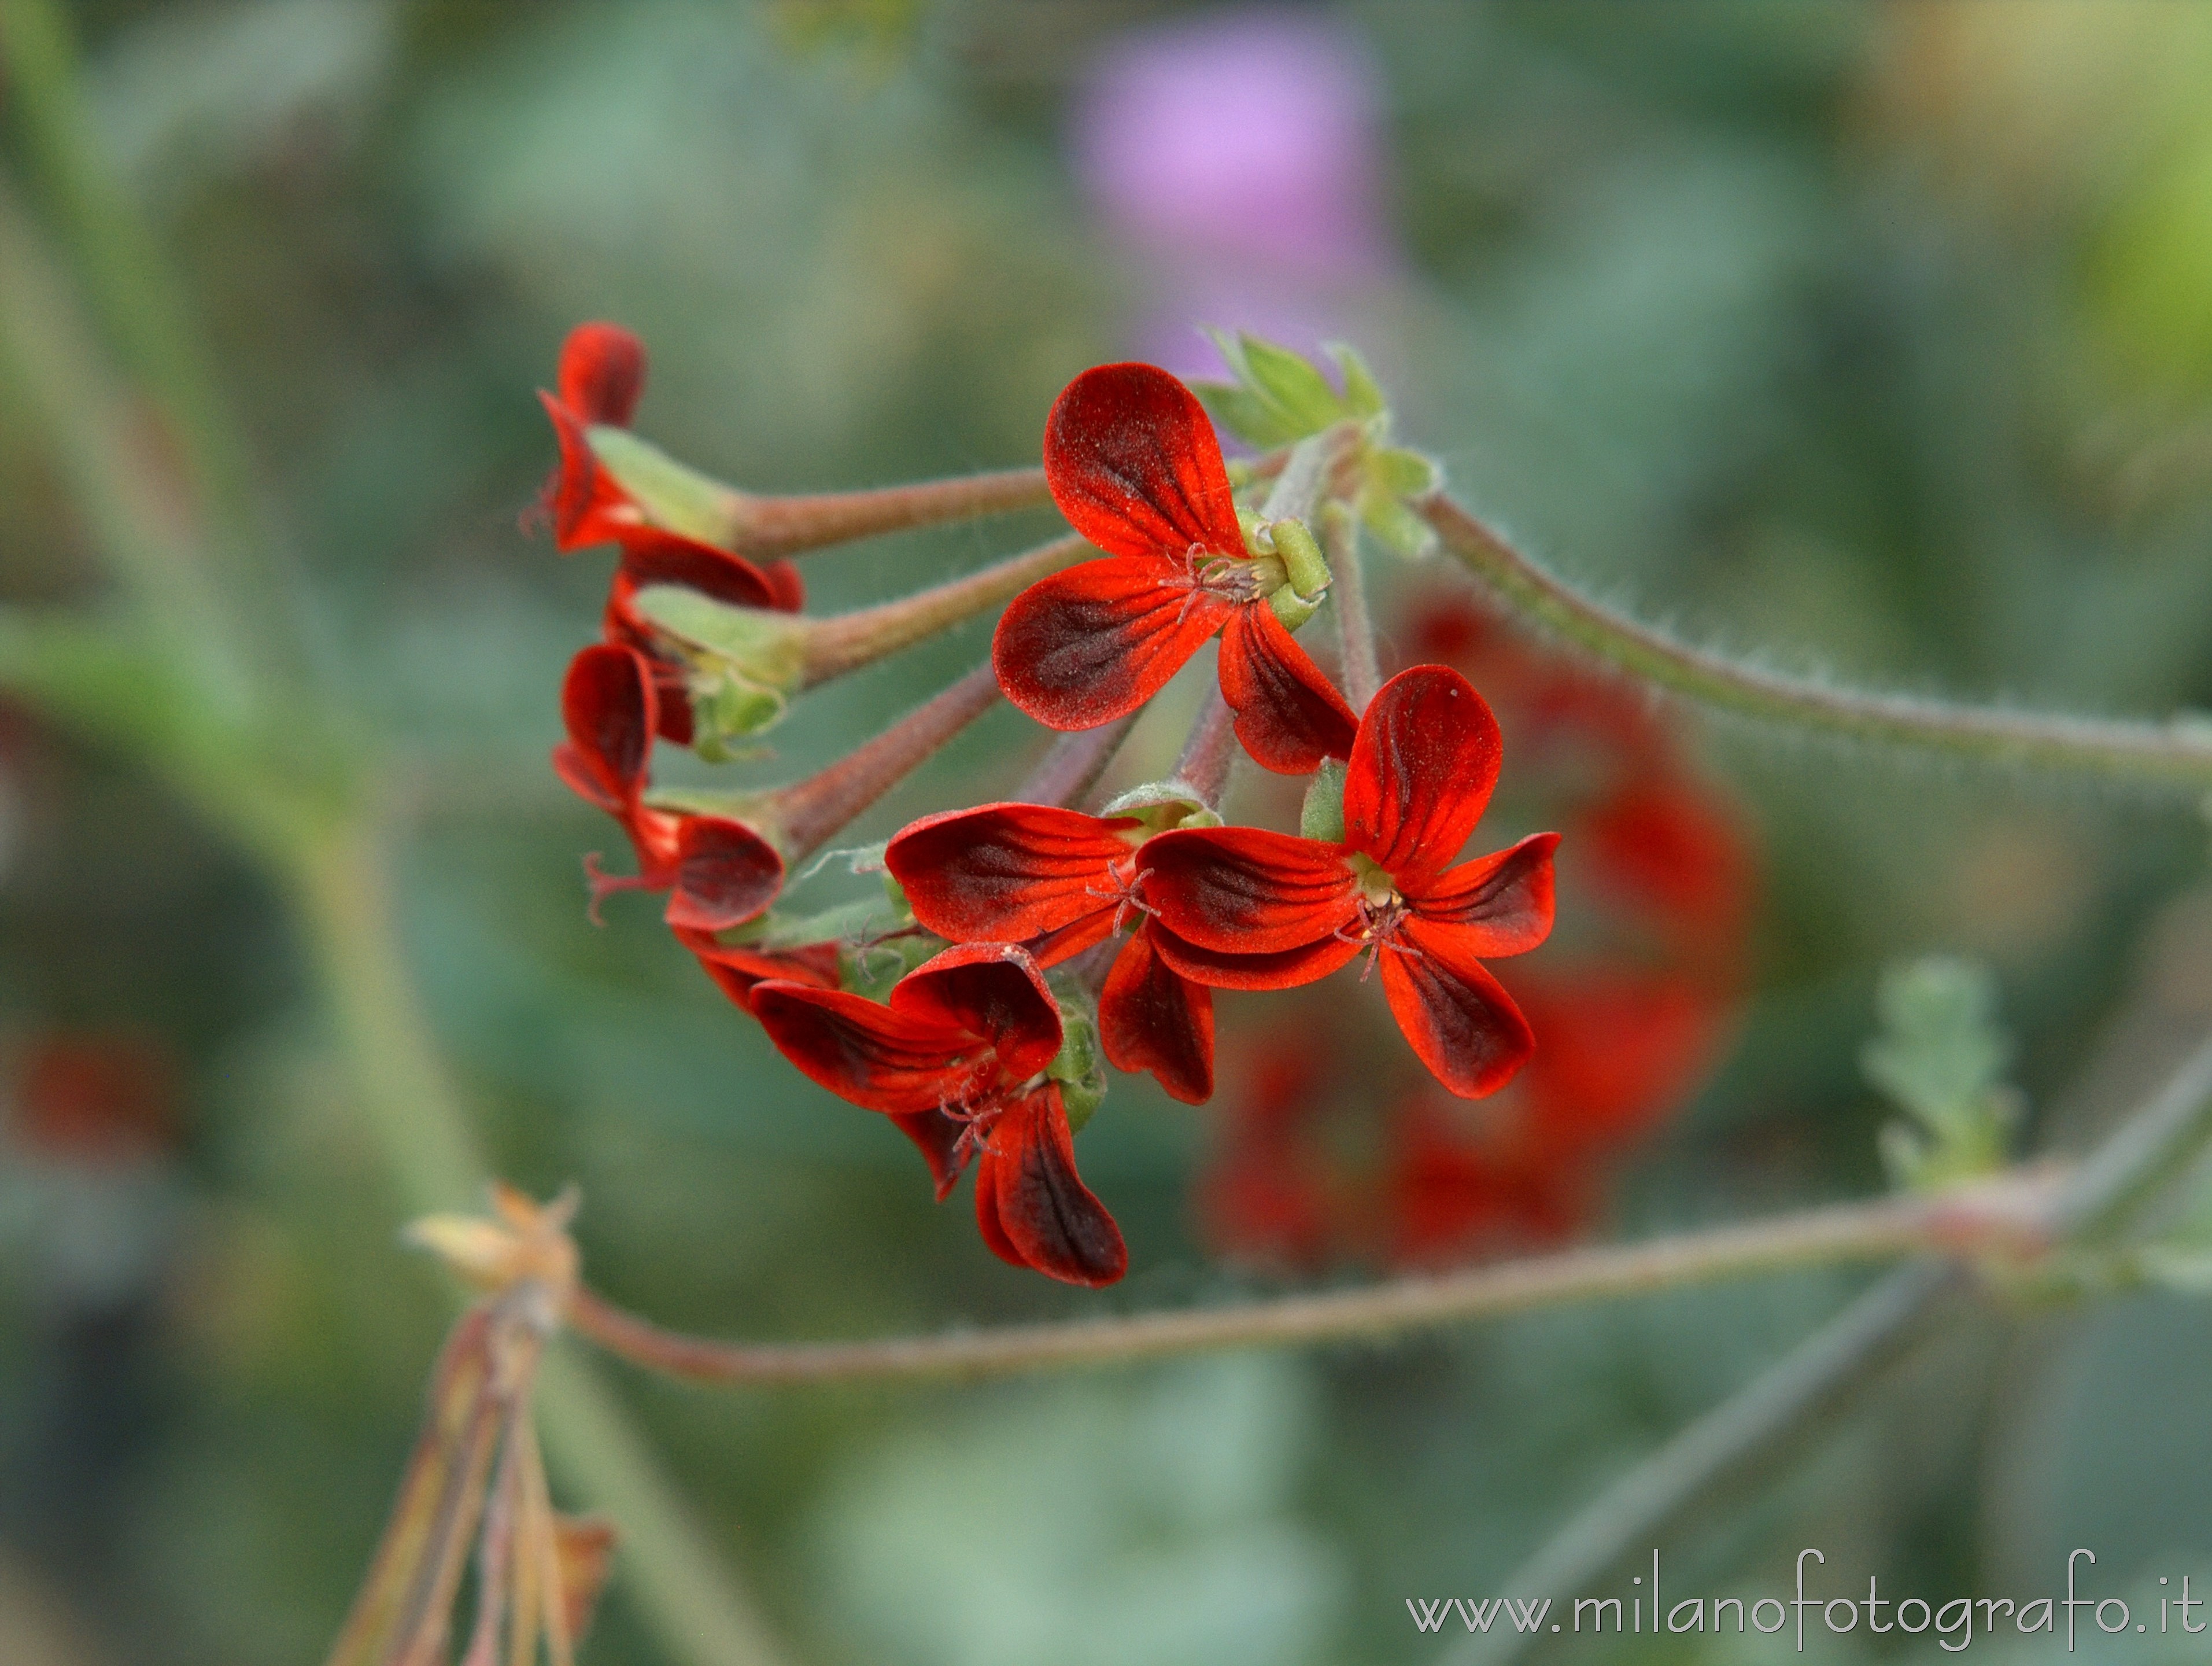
x: 742, y: 664
x: 1079, y: 1066
x: 1306, y: 567
x: 1161, y: 805
x: 1322, y: 815
x: 674, y: 497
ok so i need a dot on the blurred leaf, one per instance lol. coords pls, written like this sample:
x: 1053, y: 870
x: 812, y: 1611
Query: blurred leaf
x: 1940, y: 1056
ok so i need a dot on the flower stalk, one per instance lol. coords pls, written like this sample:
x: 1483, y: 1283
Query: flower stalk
x: 2164, y: 757
x: 845, y: 641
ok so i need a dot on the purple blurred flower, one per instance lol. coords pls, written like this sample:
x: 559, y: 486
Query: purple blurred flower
x: 1239, y: 155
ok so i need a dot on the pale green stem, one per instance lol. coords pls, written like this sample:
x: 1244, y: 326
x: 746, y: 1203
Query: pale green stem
x: 1339, y: 540
x: 2169, y: 756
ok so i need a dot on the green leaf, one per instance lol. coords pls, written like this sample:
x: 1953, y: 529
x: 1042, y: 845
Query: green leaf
x: 1940, y: 1056
x: 1301, y: 393
x: 1245, y: 414
x: 1361, y: 391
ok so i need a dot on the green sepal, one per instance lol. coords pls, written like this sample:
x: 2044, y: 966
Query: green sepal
x: 1321, y: 815
x: 742, y: 664
x: 1363, y: 394
x: 848, y: 924
x: 1161, y: 805
x: 1079, y: 1066
x: 756, y: 808
x: 870, y: 968
x: 1292, y: 609
x: 673, y: 495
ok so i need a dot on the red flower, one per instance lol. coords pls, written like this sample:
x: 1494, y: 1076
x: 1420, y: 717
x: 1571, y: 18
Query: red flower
x: 602, y: 373
x: 737, y: 969
x: 721, y: 872
x: 1134, y: 465
x: 1242, y: 908
x: 957, y: 1061
x: 1060, y: 882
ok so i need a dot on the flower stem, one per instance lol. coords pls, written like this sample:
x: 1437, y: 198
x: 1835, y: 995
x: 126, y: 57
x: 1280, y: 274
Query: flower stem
x: 806, y: 813
x: 2164, y: 756
x: 1209, y: 749
x: 846, y: 642
x: 1979, y: 1217
x: 1072, y: 764
x: 766, y: 528
x: 1339, y: 538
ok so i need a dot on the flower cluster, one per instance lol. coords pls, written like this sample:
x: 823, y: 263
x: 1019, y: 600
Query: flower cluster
x: 1028, y: 939
x: 1313, y: 1167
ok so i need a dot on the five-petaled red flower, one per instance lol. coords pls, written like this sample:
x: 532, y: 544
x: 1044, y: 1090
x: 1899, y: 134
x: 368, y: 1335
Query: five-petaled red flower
x: 602, y: 373
x: 720, y: 872
x: 1243, y: 907
x: 1060, y: 882
x: 957, y: 1059
x: 1134, y: 465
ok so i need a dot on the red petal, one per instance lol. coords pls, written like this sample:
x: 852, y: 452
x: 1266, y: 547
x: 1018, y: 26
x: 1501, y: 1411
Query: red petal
x: 1008, y: 872
x: 876, y: 1058
x: 1134, y: 465
x: 1289, y: 715
x: 602, y: 372
x: 1093, y: 643
x: 725, y: 875
x: 937, y: 1137
x: 787, y: 590
x: 1283, y: 969
x: 587, y: 505
x: 737, y: 968
x: 1497, y: 904
x: 1030, y: 1200
x: 1151, y: 1019
x: 1246, y: 891
x: 992, y: 992
x: 652, y: 557
x: 611, y: 710
x: 1460, y: 1021
x: 1422, y: 770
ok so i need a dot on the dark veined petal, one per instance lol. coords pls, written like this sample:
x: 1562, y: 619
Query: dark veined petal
x: 870, y: 1055
x: 1008, y: 872
x: 651, y: 556
x: 937, y: 1137
x: 1134, y: 464
x: 1422, y: 770
x: 1498, y: 904
x: 991, y: 991
x: 1459, y: 1018
x: 737, y: 967
x: 1028, y: 1199
x: 1286, y: 969
x: 1150, y: 1017
x: 602, y: 373
x: 611, y: 710
x: 1246, y: 891
x: 1094, y: 642
x: 1289, y: 715
x: 725, y: 875
x: 585, y: 503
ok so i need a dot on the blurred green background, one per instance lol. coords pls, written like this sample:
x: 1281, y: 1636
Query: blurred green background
x: 1870, y: 340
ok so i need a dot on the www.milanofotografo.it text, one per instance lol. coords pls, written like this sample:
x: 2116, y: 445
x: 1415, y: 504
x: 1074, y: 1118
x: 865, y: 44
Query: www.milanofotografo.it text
x: 1955, y: 1622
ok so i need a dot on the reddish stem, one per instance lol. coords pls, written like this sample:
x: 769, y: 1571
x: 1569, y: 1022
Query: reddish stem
x: 1208, y: 754
x: 846, y: 642
x: 771, y: 526
x: 1074, y: 763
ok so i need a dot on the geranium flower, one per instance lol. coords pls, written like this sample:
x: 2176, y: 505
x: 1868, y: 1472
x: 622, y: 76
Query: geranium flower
x: 720, y: 872
x: 1134, y: 465
x: 1060, y: 882
x: 1243, y: 908
x: 958, y: 1061
x: 738, y: 968
x: 602, y: 375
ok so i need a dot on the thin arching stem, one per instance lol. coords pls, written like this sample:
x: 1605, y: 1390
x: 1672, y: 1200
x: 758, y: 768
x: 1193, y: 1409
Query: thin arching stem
x: 1347, y: 594
x: 2152, y: 755
x: 1866, y: 1231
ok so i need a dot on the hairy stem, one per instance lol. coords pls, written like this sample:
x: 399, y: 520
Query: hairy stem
x: 1340, y: 540
x: 766, y: 528
x: 2166, y: 755
x: 1209, y: 749
x: 1863, y: 1231
x: 1072, y: 764
x: 808, y: 812
x: 846, y: 642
